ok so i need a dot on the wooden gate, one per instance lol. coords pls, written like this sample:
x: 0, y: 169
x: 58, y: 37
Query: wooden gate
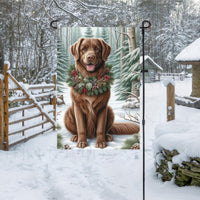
x: 25, y: 110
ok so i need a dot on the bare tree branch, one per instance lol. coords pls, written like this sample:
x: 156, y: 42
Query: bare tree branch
x: 66, y: 11
x: 122, y: 33
x: 91, y: 6
x: 133, y: 118
x: 43, y: 5
x: 133, y: 95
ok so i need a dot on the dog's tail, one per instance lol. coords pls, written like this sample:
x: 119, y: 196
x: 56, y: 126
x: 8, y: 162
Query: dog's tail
x: 124, y: 129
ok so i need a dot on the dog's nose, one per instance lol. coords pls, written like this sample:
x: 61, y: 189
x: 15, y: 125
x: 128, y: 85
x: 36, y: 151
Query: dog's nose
x: 91, y: 57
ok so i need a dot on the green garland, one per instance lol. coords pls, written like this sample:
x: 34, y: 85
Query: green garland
x: 91, y: 85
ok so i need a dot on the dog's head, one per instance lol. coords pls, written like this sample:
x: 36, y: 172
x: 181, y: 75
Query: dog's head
x: 91, y: 53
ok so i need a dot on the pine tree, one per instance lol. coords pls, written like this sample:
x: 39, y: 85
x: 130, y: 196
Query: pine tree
x: 98, y: 33
x: 129, y: 73
x: 62, y: 63
x: 76, y: 34
x: 89, y: 32
x: 105, y: 34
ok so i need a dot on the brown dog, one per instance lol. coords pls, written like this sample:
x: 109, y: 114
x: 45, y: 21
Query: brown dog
x: 90, y: 116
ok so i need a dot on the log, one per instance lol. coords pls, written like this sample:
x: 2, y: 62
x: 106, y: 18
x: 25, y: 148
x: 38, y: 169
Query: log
x: 190, y: 173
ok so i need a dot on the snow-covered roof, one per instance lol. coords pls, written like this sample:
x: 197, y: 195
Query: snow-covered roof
x: 191, y: 53
x: 151, y: 60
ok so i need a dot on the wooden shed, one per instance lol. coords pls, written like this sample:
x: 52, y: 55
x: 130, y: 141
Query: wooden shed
x: 153, y: 68
x: 191, y: 56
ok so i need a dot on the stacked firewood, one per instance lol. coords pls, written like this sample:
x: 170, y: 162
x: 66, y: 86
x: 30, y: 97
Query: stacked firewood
x: 184, y: 174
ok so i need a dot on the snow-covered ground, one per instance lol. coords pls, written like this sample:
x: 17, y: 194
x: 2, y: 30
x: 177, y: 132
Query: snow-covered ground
x: 37, y: 170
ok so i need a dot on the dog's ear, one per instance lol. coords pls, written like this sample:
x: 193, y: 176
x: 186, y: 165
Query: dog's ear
x: 106, y: 49
x: 75, y: 51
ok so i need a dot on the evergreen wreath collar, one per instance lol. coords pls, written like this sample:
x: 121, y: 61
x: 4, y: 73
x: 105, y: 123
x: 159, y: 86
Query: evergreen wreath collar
x: 91, y: 85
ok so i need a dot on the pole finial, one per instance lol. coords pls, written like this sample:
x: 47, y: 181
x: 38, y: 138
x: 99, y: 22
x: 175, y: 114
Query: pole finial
x: 52, y: 22
x: 145, y: 24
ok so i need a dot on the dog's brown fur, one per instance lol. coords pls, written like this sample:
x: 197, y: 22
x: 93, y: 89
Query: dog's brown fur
x: 90, y: 116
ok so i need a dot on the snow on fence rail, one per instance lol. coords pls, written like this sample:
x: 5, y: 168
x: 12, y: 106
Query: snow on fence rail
x: 174, y: 76
x: 25, y: 110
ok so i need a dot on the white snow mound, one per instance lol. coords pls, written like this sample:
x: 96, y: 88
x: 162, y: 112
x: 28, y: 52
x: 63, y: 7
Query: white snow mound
x: 178, y: 135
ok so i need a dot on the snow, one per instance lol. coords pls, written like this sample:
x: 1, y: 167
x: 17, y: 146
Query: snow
x: 146, y: 57
x: 1, y: 76
x: 166, y: 82
x: 190, y: 53
x: 6, y: 62
x: 37, y: 170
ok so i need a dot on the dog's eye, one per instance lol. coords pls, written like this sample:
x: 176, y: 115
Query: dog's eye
x: 96, y: 48
x: 83, y: 48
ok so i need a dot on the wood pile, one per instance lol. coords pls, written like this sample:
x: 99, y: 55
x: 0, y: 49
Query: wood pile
x: 185, y: 174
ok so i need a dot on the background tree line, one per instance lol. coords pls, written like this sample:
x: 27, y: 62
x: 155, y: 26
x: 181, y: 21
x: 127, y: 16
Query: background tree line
x: 29, y: 43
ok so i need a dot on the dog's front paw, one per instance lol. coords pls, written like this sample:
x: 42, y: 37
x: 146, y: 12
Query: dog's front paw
x: 74, y: 138
x: 109, y: 138
x: 101, y: 144
x: 82, y: 144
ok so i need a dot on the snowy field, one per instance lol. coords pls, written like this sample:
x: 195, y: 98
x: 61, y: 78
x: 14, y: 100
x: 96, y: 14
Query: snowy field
x: 37, y: 170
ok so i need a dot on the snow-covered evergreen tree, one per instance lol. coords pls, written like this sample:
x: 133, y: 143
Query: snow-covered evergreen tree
x: 98, y: 32
x: 62, y: 64
x: 105, y: 34
x: 89, y: 32
x: 128, y: 74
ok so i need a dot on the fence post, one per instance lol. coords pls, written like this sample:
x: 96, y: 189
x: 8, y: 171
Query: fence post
x: 6, y: 114
x: 1, y: 115
x: 170, y: 102
x: 42, y: 108
x: 54, y: 99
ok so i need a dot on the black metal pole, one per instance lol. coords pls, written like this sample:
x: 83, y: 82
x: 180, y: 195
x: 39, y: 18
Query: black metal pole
x: 148, y: 24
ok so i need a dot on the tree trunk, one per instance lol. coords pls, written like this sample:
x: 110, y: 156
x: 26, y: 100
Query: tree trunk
x: 67, y: 39
x: 19, y: 41
x: 121, y: 45
x: 195, y: 80
x: 131, y: 38
x: 110, y: 37
x: 132, y: 46
x: 41, y: 50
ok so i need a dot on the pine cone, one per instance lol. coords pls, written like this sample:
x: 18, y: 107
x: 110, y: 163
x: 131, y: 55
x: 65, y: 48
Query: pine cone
x: 136, y: 146
x: 66, y: 146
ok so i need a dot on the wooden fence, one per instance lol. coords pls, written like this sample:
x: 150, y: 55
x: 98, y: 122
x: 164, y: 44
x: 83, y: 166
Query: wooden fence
x: 174, y: 76
x: 25, y: 110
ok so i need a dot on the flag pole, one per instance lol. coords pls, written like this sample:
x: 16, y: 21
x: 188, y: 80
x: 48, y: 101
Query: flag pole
x: 145, y: 24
